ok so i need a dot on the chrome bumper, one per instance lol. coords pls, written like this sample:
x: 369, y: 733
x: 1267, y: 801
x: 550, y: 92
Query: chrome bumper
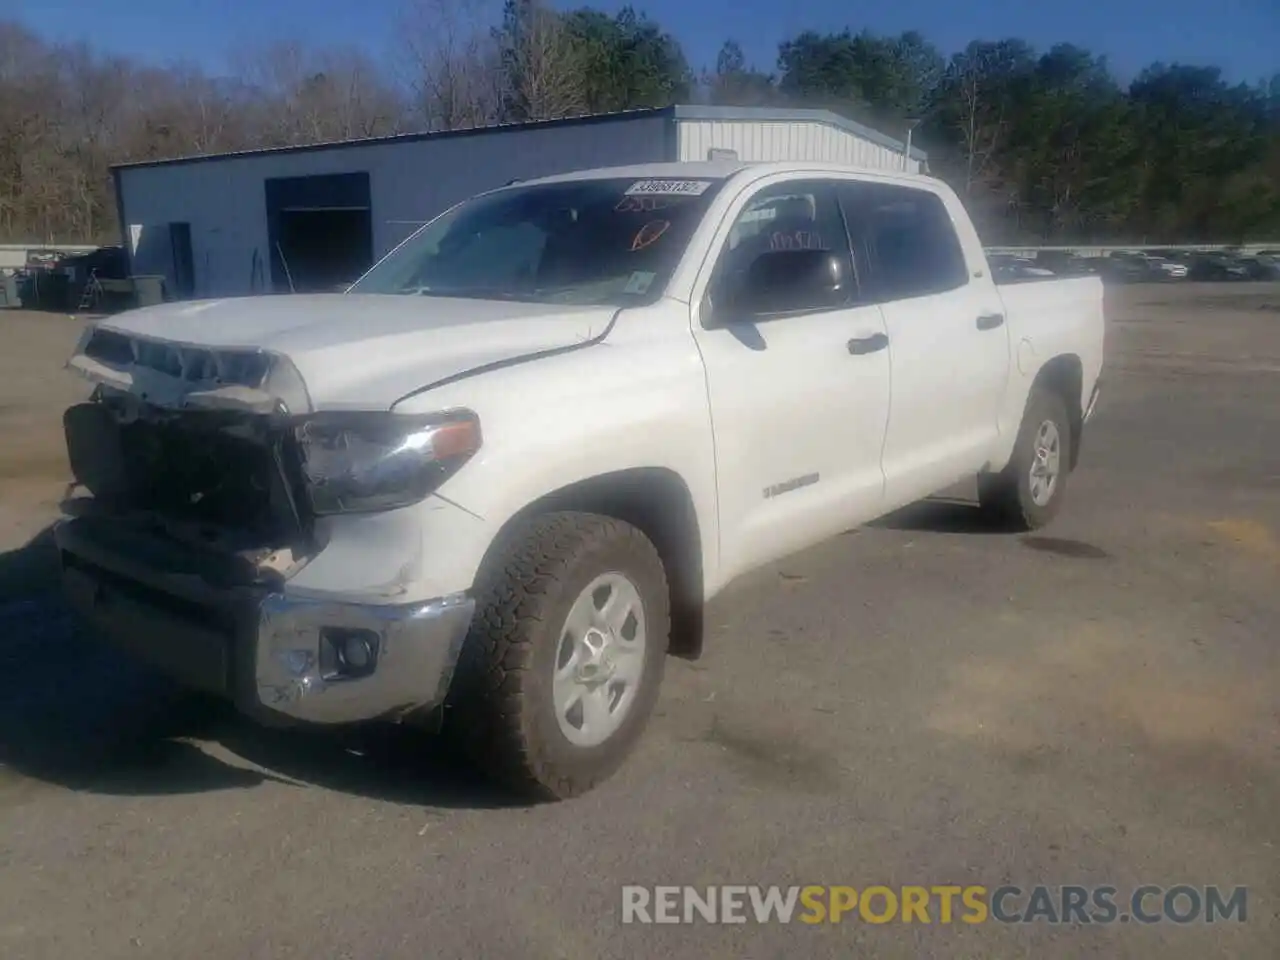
x: 277, y: 656
x: 411, y: 650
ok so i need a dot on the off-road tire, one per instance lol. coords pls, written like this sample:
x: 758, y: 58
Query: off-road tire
x: 500, y: 706
x: 1006, y: 496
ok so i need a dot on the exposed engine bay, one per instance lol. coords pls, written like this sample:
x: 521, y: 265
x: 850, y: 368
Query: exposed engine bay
x: 225, y: 481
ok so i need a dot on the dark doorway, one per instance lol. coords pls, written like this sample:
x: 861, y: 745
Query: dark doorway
x: 324, y: 248
x: 320, y: 231
x: 184, y: 270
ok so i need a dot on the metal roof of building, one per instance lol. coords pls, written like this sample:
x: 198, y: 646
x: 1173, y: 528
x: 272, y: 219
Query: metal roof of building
x: 677, y: 112
x: 792, y: 115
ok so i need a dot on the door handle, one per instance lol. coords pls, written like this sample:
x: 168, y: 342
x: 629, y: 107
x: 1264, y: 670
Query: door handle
x: 862, y: 345
x: 989, y: 321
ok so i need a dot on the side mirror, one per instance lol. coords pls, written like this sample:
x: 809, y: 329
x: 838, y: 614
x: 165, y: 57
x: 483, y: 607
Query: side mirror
x: 787, y: 281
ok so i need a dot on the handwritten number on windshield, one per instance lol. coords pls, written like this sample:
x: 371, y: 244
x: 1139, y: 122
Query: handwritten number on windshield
x: 642, y: 204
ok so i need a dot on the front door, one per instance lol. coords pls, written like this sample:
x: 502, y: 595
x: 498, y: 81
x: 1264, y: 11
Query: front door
x: 799, y: 398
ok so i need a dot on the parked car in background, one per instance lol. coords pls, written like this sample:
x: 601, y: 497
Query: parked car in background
x: 1063, y: 263
x: 1218, y: 266
x: 1173, y: 269
x: 1010, y: 269
x: 1260, y: 267
x: 1131, y: 268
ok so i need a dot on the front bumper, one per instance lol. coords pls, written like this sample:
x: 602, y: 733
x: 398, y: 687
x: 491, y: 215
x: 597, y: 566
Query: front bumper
x: 276, y: 655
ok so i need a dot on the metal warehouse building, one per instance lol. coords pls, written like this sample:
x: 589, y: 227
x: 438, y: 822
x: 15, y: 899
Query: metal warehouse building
x: 309, y: 217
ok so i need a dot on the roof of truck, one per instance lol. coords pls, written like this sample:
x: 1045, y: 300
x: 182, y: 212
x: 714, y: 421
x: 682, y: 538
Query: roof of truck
x: 723, y: 169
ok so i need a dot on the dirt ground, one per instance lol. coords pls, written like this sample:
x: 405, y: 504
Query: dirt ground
x: 34, y: 390
x: 919, y: 702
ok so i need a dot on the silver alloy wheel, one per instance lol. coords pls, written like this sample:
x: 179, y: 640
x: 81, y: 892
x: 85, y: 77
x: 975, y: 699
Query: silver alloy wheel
x: 1046, y: 463
x: 600, y: 660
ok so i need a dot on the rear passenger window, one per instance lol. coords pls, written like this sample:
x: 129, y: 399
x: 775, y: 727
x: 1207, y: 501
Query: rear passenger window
x: 907, y: 237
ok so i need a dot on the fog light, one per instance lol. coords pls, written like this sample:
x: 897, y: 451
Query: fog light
x: 348, y: 652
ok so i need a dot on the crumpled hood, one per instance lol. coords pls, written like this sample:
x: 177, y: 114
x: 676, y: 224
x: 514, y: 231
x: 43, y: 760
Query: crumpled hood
x: 349, y: 351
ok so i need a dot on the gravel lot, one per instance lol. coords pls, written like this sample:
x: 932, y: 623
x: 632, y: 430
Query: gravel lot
x: 915, y: 703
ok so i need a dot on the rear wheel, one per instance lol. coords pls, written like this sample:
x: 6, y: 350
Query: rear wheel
x: 1028, y: 493
x: 561, y: 669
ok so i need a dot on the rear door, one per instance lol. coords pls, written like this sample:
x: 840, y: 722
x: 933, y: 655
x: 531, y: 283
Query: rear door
x: 948, y: 340
x: 799, y: 399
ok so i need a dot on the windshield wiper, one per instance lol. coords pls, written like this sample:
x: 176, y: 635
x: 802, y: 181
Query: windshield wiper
x: 535, y: 295
x: 474, y: 293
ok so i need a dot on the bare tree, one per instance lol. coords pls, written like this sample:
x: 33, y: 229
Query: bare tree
x: 978, y: 91
x: 451, y: 63
x: 359, y: 96
x: 89, y: 104
x: 23, y: 126
x: 180, y: 110
x: 304, y: 97
x: 542, y: 65
x: 980, y: 133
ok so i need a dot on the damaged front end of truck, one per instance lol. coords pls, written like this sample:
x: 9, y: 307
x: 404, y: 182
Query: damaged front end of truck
x: 201, y: 493
x: 193, y: 446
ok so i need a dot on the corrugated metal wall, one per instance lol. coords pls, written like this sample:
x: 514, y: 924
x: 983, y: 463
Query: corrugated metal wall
x: 755, y: 140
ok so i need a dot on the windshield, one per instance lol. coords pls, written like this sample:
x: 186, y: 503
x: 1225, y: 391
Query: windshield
x: 607, y: 241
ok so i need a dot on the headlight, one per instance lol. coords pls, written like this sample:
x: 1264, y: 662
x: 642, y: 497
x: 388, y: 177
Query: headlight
x: 362, y: 462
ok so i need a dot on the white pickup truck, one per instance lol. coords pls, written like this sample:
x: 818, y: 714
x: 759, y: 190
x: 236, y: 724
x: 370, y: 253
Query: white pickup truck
x: 495, y: 482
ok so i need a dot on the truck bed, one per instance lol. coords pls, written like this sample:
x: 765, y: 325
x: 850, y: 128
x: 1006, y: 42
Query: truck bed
x: 1056, y: 316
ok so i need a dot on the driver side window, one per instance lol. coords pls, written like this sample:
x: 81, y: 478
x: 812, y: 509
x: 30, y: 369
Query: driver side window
x: 798, y: 215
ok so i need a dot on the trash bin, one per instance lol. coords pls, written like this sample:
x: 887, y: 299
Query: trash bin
x: 148, y: 291
x: 52, y: 291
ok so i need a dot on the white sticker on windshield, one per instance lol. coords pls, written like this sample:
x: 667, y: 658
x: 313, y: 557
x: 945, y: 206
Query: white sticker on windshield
x: 678, y: 188
x: 639, y: 282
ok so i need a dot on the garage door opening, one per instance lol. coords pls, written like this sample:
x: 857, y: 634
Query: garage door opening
x: 320, y: 231
x: 324, y: 249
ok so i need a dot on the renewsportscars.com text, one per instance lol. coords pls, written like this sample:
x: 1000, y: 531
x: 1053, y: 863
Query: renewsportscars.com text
x: 939, y: 904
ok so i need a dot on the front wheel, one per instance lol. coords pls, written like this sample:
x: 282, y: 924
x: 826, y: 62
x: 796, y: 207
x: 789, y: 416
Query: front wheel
x: 1028, y: 493
x: 561, y: 669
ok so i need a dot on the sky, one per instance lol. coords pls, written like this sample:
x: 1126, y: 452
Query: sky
x: 1241, y: 36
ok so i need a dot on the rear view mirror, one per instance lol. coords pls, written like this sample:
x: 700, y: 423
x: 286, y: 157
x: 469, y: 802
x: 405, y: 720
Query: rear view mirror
x: 789, y: 281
